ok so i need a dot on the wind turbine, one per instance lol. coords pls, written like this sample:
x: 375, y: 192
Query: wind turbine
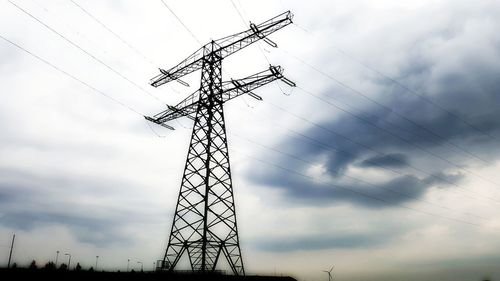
x: 330, y: 278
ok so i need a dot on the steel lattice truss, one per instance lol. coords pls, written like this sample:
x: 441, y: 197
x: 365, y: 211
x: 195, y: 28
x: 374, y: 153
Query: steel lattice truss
x: 204, y: 223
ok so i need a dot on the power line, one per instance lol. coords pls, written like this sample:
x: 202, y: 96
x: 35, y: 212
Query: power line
x: 420, y: 95
x: 83, y: 50
x: 153, y: 131
x: 324, y: 74
x: 185, y: 26
x: 315, y: 142
x: 407, y: 89
x: 285, y: 168
x: 70, y: 75
x: 68, y: 26
x: 405, y: 129
x: 114, y: 33
x: 394, y: 135
x: 401, y: 116
x: 304, y: 138
x: 388, y: 109
x: 238, y: 11
x: 141, y: 55
x: 392, y: 111
x: 376, y: 102
x: 175, y: 15
x: 258, y: 43
x: 365, y: 120
x: 357, y: 192
x: 245, y: 24
x: 379, y: 153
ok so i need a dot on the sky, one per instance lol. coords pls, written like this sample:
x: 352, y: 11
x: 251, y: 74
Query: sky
x: 382, y: 162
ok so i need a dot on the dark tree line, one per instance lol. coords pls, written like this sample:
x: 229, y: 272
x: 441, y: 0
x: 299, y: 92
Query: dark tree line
x: 51, y: 266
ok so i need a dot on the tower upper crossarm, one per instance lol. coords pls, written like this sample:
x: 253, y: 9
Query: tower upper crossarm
x: 190, y: 64
x: 225, y: 47
x: 233, y: 43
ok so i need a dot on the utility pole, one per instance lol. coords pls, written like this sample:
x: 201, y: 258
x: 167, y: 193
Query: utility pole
x: 11, y: 248
x: 204, y: 223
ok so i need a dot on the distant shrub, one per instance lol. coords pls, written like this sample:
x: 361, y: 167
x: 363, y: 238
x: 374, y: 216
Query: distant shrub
x: 63, y: 267
x: 33, y: 265
x: 50, y: 266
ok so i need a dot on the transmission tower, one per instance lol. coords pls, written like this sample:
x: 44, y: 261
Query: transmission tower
x: 204, y: 224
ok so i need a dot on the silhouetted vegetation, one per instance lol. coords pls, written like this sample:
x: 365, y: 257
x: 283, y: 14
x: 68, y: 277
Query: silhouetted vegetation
x: 49, y: 272
x: 63, y: 267
x: 33, y: 265
x: 50, y: 266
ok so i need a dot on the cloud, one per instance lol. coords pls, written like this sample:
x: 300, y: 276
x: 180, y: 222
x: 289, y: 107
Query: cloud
x: 395, y: 160
x: 420, y: 144
x: 361, y: 240
x: 98, y: 231
x: 28, y: 202
x: 390, y: 193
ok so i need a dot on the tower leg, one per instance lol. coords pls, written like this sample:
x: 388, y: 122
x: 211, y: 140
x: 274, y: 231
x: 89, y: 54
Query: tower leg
x: 204, y: 223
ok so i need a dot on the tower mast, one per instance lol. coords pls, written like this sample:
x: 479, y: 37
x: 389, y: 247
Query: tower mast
x: 204, y: 224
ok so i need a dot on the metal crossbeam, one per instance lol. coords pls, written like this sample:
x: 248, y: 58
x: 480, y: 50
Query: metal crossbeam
x: 230, y: 90
x: 226, y: 47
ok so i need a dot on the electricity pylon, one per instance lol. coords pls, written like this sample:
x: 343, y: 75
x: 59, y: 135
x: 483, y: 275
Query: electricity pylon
x: 204, y: 223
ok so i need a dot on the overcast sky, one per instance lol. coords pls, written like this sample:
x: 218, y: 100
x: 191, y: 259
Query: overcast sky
x: 382, y: 162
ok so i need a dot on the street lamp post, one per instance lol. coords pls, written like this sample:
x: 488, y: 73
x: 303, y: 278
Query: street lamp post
x: 69, y: 260
x: 128, y: 263
x: 11, y: 248
x: 57, y: 257
x: 142, y: 265
x: 96, y: 258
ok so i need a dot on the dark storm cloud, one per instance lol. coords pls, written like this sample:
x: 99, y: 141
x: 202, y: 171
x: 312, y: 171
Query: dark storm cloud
x: 395, y: 160
x: 393, y: 192
x: 368, y: 239
x: 382, y: 138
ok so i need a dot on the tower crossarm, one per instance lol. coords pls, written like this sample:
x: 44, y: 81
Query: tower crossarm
x: 190, y: 64
x: 233, y: 43
x: 225, y: 46
x: 236, y: 88
x: 184, y: 108
x: 230, y: 90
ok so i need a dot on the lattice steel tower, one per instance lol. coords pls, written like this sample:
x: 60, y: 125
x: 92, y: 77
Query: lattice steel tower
x: 204, y: 223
